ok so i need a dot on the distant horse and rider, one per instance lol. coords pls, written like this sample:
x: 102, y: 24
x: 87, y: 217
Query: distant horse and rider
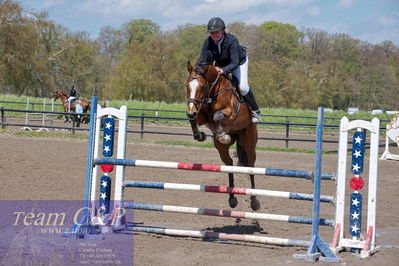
x: 213, y: 101
x: 79, y: 105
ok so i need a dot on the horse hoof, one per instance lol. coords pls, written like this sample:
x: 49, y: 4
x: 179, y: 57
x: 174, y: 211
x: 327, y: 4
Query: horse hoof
x: 200, y: 137
x: 255, y: 205
x: 233, y: 202
x: 203, y: 136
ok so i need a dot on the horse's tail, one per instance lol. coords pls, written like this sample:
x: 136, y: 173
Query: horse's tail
x: 242, y: 156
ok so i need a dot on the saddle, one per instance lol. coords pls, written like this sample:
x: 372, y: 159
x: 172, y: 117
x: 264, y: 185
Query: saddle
x: 236, y: 86
x: 75, y: 100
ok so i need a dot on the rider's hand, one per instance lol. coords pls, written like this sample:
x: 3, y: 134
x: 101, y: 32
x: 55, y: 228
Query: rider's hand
x: 219, y: 70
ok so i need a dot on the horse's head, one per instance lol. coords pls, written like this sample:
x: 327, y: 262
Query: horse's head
x: 199, y: 84
x: 56, y: 95
x: 59, y: 94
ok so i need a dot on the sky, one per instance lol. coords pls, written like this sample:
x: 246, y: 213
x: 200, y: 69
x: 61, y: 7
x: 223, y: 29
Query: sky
x: 373, y: 21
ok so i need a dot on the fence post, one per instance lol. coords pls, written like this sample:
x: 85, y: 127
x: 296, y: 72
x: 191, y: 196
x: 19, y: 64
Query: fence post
x: 3, y: 120
x: 287, y: 131
x: 44, y: 109
x: 142, y: 126
x: 52, y: 110
x: 27, y: 113
x: 73, y: 123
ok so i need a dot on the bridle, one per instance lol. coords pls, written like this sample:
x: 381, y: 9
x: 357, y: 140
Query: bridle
x: 206, y: 90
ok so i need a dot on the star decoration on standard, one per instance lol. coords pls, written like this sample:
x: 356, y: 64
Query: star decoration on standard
x: 355, y: 215
x: 357, y: 154
x: 358, y: 139
x: 103, y: 196
x: 356, y: 167
x: 107, y: 137
x: 354, y: 228
x: 107, y: 149
x: 355, y: 202
x: 108, y: 125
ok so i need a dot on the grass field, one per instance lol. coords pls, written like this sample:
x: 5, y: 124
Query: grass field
x: 178, y: 110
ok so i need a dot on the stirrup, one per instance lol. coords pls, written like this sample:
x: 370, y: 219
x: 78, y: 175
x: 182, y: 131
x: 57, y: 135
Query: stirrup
x: 255, y: 116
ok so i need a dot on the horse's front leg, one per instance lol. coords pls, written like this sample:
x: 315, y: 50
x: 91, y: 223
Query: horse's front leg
x: 197, y: 134
x: 222, y: 127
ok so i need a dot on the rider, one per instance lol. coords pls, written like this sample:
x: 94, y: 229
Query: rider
x: 229, y: 57
x: 72, y: 94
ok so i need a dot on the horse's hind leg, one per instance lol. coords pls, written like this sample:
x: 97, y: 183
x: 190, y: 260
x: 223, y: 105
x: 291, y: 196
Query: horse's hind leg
x: 255, y: 205
x: 247, y: 155
x: 223, y: 150
x: 232, y: 199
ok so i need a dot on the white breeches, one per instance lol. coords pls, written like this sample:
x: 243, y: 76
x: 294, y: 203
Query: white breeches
x: 241, y: 73
x: 71, y: 98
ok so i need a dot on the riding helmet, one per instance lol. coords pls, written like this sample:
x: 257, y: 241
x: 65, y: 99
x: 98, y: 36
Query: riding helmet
x: 216, y: 24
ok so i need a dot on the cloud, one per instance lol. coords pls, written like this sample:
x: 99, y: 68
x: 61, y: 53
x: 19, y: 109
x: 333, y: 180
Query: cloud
x: 171, y: 13
x: 53, y: 3
x: 341, y: 16
x: 314, y: 11
x: 172, y: 9
x: 391, y: 20
x: 345, y: 3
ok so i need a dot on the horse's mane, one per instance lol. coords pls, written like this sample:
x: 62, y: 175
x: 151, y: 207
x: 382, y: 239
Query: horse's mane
x: 198, y: 69
x: 203, y: 70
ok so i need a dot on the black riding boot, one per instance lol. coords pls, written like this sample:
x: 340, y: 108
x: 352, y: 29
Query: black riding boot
x: 250, y: 99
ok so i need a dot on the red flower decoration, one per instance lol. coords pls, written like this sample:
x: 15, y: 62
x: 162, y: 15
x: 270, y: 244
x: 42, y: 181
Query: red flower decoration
x: 356, y: 183
x: 107, y: 168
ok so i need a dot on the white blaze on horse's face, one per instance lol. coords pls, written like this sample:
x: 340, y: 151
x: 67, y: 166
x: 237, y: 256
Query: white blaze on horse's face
x: 194, y: 86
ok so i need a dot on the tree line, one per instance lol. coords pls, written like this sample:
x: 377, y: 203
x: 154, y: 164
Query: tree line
x: 289, y: 68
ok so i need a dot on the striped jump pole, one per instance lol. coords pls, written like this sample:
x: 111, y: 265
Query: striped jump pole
x: 220, y: 236
x: 228, y: 190
x: 214, y: 168
x: 225, y: 213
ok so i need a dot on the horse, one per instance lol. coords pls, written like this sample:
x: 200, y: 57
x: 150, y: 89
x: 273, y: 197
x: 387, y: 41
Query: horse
x: 71, y: 107
x: 213, y: 101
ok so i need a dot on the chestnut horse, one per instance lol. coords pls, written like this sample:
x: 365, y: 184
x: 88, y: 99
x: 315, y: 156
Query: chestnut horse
x: 213, y: 101
x: 64, y: 99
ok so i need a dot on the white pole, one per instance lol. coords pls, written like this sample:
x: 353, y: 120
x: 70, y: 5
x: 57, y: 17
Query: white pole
x: 27, y: 113
x: 44, y: 109
x: 52, y: 110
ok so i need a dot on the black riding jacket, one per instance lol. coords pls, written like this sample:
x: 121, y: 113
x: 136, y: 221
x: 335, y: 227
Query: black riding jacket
x: 73, y: 92
x: 231, y: 53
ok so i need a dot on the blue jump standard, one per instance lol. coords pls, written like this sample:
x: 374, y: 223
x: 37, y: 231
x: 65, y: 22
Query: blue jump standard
x: 84, y: 229
x: 318, y: 249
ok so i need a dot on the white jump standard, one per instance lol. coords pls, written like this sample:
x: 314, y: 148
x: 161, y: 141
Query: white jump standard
x: 392, y: 134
